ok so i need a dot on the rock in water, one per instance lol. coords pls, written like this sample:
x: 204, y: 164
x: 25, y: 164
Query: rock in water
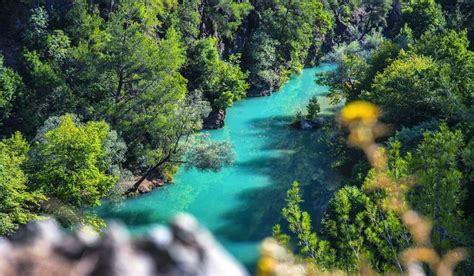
x: 185, y: 248
x: 215, y: 119
x: 305, y: 125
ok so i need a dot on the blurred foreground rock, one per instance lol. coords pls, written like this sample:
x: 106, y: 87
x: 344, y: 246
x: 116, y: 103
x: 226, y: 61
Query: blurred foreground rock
x: 183, y: 248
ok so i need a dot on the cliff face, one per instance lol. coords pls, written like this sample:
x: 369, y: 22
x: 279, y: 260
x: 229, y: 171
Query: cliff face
x: 183, y: 248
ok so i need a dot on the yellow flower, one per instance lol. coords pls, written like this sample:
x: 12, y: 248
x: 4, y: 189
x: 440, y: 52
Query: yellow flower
x: 362, y: 111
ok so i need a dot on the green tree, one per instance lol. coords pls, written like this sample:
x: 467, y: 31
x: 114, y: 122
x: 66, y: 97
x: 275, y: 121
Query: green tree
x: 344, y: 224
x: 297, y: 25
x: 70, y: 163
x: 451, y: 51
x: 385, y: 232
x: 46, y: 94
x: 19, y: 204
x: 299, y: 224
x: 221, y: 18
x: 133, y: 79
x: 202, y: 154
x: 189, y: 20
x: 439, y: 193
x: 346, y: 82
x: 207, y: 155
x: 37, y: 29
x: 422, y: 16
x: 10, y: 85
x: 222, y: 82
x: 408, y: 90
x: 313, y: 108
x: 261, y: 60
x: 379, y: 59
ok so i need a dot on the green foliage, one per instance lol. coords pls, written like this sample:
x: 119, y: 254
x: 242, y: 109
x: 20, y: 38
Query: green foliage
x: 344, y: 224
x: 70, y: 163
x: 411, y: 137
x: 356, y: 224
x: 451, y: 51
x: 189, y: 20
x: 346, y: 81
x: 313, y: 108
x: 58, y: 45
x: 36, y: 31
x: 293, y: 24
x: 278, y: 234
x: 133, y: 80
x: 222, y: 82
x: 262, y: 58
x: 227, y: 15
x: 357, y: 67
x: 205, y: 154
x: 423, y: 16
x: 18, y: 203
x: 379, y: 59
x: 354, y: 20
x: 468, y: 161
x: 405, y: 37
x: 408, y: 84
x: 10, y: 85
x: 289, y: 36
x: 299, y: 224
x: 439, y: 193
x: 47, y: 93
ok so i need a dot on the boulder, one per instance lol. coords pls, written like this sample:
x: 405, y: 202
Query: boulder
x: 215, y: 119
x: 305, y: 125
x: 183, y: 248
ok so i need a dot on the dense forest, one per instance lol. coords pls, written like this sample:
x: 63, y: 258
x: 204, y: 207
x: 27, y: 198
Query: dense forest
x: 419, y: 72
x: 98, y: 97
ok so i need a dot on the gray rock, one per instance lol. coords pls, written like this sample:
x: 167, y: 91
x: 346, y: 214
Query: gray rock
x: 214, y: 120
x: 305, y: 125
x: 184, y: 248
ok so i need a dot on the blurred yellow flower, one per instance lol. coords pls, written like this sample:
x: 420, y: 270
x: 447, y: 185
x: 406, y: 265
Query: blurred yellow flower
x: 362, y: 111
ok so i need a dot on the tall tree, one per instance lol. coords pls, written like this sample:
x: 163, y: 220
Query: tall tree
x: 423, y: 16
x: 221, y: 82
x: 299, y: 224
x: 69, y: 163
x: 10, y: 86
x: 440, y: 193
x: 19, y: 203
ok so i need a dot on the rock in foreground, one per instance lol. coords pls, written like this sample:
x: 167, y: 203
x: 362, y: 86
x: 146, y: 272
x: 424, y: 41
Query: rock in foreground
x: 183, y: 248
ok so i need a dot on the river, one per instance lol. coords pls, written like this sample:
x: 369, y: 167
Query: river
x: 240, y: 204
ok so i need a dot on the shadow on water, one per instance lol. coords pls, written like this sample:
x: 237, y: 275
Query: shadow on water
x: 301, y: 157
x: 138, y: 217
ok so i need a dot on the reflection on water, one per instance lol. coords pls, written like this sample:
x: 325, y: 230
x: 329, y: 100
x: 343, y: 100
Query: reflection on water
x: 240, y: 204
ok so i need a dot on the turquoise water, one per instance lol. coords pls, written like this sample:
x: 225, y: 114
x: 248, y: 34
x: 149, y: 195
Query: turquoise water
x: 240, y: 204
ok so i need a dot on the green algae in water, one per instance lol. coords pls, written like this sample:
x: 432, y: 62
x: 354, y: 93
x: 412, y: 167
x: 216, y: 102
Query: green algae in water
x: 240, y: 204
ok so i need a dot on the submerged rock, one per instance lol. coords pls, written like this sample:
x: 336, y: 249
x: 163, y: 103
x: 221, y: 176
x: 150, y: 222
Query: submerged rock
x: 305, y: 124
x: 184, y: 248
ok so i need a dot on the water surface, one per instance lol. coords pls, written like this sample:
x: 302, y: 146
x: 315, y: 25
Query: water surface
x: 240, y: 204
